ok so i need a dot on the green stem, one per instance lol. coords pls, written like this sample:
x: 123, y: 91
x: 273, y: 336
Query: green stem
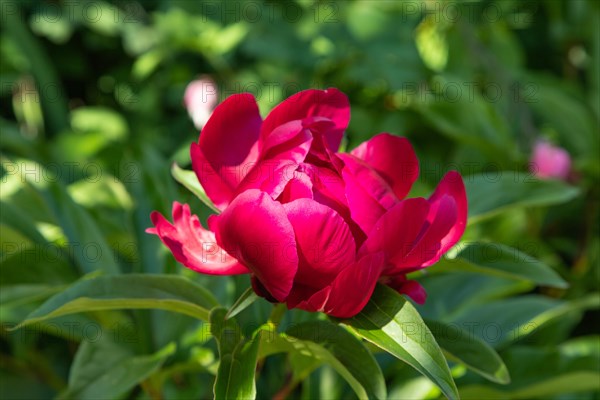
x: 277, y: 313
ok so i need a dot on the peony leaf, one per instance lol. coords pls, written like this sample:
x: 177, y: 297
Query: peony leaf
x: 492, y: 193
x: 337, y: 347
x: 566, y: 370
x: 392, y: 323
x: 463, y: 347
x: 326, y: 343
x: 131, y: 291
x: 243, y: 302
x: 105, y: 369
x: 501, y: 261
x: 238, y: 356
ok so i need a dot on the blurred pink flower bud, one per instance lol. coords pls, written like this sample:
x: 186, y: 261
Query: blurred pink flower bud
x: 548, y: 161
x: 200, y: 99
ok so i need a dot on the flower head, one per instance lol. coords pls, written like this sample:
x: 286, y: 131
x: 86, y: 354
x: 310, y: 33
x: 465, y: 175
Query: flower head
x: 315, y: 228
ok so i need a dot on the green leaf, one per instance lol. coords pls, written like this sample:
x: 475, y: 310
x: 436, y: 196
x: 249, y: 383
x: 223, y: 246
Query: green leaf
x: 190, y: 181
x: 474, y: 353
x: 90, y: 249
x: 132, y: 291
x: 493, y: 193
x: 549, y: 388
x: 21, y: 221
x: 238, y: 356
x: 468, y: 119
x: 503, y: 321
x: 337, y: 347
x: 546, y: 372
x: 99, y: 119
x: 107, y: 191
x: 104, y: 369
x: 148, y: 180
x: 456, y: 292
x: 392, y: 323
x: 55, y: 107
x: 502, y: 261
x: 244, y: 301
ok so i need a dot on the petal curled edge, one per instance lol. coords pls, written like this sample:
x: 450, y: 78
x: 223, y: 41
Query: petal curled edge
x: 228, y: 142
x: 452, y: 185
x: 350, y: 291
x: 445, y: 224
x: 255, y: 229
x: 329, y: 103
x: 393, y: 158
x: 192, y: 245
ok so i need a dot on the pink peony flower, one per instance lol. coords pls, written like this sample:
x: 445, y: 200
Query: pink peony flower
x: 316, y: 229
x: 548, y: 161
x: 200, y: 99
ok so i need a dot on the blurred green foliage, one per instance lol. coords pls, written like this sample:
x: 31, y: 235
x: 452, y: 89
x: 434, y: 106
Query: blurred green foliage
x: 92, y: 118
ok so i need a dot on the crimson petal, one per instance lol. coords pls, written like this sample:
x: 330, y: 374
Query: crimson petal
x: 393, y: 158
x: 192, y: 245
x: 330, y: 103
x: 228, y: 142
x: 256, y: 230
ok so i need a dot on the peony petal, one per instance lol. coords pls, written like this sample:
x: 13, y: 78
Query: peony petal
x: 365, y: 193
x: 393, y: 158
x: 329, y: 189
x: 330, y: 103
x: 256, y: 229
x: 300, y: 186
x: 281, y: 154
x: 325, y: 244
x: 396, y: 231
x: 443, y: 227
x: 313, y: 303
x: 227, y: 144
x: 429, y: 245
x: 192, y: 245
x: 370, y: 180
x: 260, y: 290
x: 451, y: 185
x: 412, y: 289
x: 349, y: 292
x: 217, y: 189
x: 354, y: 286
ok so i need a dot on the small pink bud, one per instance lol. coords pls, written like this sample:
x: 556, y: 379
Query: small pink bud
x: 548, y: 161
x: 200, y: 99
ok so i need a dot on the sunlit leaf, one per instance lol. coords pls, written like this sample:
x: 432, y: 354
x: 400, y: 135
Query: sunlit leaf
x: 131, y: 291
x: 392, y: 323
x: 237, y: 365
x: 243, y: 302
x: 335, y: 346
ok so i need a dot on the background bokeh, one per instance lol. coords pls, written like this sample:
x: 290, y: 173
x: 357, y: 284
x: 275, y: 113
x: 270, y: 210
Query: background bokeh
x: 92, y: 118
